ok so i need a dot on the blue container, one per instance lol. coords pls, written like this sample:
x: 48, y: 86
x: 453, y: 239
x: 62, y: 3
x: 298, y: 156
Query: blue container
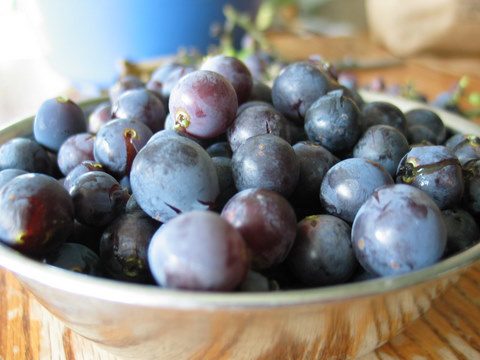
x: 86, y: 38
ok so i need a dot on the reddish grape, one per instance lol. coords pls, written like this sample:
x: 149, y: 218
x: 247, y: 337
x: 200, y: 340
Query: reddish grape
x: 99, y: 117
x: 74, y: 150
x: 98, y: 198
x: 234, y: 71
x: 266, y: 221
x: 37, y: 214
x: 203, y: 104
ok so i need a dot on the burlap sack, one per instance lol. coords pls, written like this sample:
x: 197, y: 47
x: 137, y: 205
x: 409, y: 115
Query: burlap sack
x: 406, y: 27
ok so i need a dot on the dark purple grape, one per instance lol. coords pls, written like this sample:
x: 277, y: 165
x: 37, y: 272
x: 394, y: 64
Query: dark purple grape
x: 355, y: 96
x: 435, y: 170
x: 428, y: 119
x: 55, y: 170
x: 118, y: 142
x: 314, y: 162
x: 340, y: 90
x: 261, y: 92
x: 164, y: 79
x: 123, y: 84
x: 471, y: 197
x: 203, y: 104
x: 334, y: 122
x: 322, y: 253
x: 220, y: 149
x: 266, y: 221
x: 132, y: 206
x: 362, y: 275
x: 252, y: 103
x: 210, y: 256
x: 398, y: 229
x: 172, y: 175
x: 24, y: 154
x: 383, y: 113
x: 80, y: 169
x: 77, y: 258
x: 125, y: 183
x: 57, y: 120
x: 8, y: 174
x: 267, y: 162
x: 256, y: 282
x: 226, y: 184
x: 124, y: 245
x: 384, y: 145
x: 88, y: 236
x: 462, y: 230
x: 419, y: 134
x: 206, y: 143
x: 140, y: 105
x: 99, y: 117
x: 297, y: 87
x: 296, y: 133
x: 348, y: 184
x: 98, y: 198
x: 74, y: 150
x: 468, y: 149
x: 256, y: 120
x: 37, y: 214
x: 234, y: 71
x: 283, y: 277
x: 454, y: 140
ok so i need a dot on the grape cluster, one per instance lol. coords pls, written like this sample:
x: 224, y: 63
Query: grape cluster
x: 206, y: 178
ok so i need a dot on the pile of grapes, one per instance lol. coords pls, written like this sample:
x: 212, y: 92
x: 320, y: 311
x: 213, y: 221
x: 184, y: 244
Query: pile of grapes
x: 206, y: 178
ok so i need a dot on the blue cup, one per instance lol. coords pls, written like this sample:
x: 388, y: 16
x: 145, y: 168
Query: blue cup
x: 86, y: 38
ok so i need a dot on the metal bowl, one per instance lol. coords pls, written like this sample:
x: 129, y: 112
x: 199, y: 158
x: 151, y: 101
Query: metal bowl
x: 335, y: 322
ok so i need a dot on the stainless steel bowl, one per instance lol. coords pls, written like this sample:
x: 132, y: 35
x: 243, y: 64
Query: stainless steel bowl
x: 336, y: 322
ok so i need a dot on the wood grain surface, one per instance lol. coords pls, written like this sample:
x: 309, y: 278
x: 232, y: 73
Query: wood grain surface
x: 449, y: 330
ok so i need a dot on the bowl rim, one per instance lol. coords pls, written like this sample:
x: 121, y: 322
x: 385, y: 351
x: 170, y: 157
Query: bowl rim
x: 153, y: 296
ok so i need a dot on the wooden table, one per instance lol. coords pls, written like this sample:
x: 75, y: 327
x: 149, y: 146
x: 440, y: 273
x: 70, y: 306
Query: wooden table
x: 450, y: 330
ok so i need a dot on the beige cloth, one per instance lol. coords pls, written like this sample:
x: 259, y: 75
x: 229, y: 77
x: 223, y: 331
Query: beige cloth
x: 406, y: 27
